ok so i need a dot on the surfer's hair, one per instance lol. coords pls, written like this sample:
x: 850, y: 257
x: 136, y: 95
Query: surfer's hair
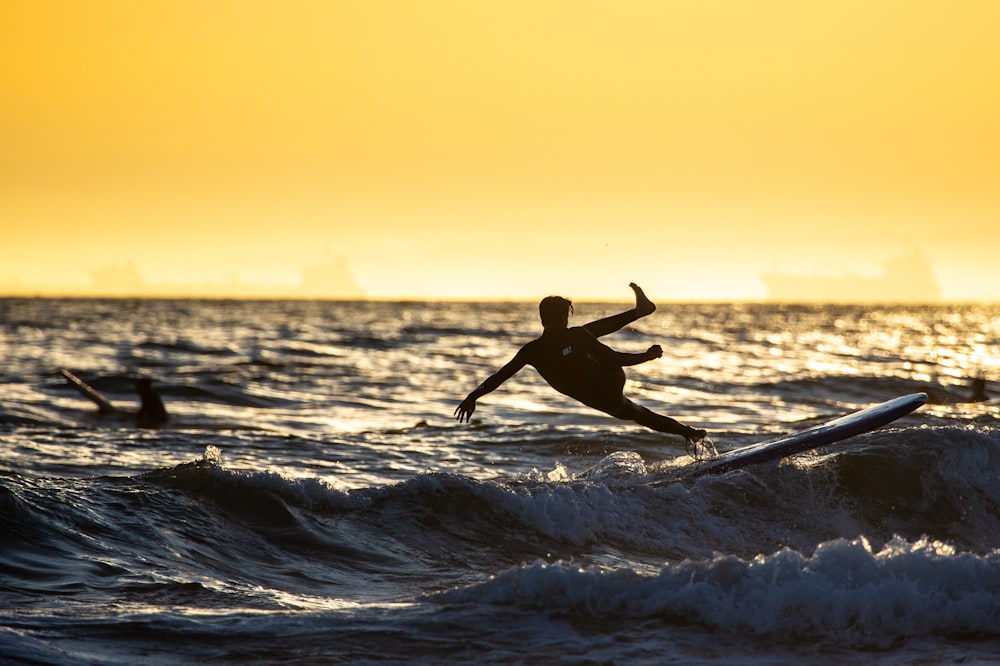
x: 554, y: 309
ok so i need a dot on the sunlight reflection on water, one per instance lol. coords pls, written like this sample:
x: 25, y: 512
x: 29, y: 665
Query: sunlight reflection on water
x: 330, y: 371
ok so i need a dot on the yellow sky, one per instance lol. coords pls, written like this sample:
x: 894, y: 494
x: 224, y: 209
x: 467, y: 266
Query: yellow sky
x: 498, y: 149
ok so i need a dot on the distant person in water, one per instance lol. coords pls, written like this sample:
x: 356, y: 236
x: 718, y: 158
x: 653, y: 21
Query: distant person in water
x: 574, y: 363
x: 152, y: 413
x: 979, y: 390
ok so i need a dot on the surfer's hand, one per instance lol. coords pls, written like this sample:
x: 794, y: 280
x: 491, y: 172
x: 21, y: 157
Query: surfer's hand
x: 464, y: 411
x: 656, y: 351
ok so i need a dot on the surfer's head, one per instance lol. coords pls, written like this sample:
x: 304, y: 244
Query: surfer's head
x: 143, y: 386
x: 555, y: 311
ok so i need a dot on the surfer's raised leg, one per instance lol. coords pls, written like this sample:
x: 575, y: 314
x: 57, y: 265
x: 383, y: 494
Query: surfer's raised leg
x: 643, y: 307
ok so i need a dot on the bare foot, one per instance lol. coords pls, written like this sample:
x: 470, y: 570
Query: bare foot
x: 643, y: 305
x: 695, y: 435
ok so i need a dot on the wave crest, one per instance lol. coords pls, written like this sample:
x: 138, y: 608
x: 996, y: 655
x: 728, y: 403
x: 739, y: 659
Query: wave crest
x: 845, y: 593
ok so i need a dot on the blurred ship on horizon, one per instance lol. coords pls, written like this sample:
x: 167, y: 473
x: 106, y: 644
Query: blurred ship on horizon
x: 905, y: 279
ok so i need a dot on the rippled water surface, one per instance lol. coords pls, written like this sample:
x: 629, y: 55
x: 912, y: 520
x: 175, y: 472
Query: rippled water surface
x: 312, y: 498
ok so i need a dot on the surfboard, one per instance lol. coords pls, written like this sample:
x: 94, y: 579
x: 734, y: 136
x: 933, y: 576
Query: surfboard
x: 866, y: 420
x: 88, y: 391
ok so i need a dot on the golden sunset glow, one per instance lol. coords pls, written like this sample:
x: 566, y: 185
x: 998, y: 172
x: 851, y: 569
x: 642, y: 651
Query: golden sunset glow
x: 495, y: 149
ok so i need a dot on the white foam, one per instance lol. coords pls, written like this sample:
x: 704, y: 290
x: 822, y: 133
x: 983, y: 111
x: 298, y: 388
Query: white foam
x: 844, y: 593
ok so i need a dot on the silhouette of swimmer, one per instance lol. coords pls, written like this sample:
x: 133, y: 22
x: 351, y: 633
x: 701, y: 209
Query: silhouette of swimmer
x: 979, y: 393
x: 576, y: 364
x: 151, y: 414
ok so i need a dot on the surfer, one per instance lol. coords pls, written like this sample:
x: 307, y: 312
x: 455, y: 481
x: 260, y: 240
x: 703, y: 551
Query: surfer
x: 576, y: 364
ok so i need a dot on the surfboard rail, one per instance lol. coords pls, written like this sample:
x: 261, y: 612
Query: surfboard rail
x: 844, y: 427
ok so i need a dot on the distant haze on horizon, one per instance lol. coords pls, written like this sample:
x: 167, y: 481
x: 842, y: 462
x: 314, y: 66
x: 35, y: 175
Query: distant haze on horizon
x: 484, y: 150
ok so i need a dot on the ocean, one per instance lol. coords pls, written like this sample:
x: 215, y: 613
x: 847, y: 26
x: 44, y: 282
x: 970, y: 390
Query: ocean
x: 312, y: 499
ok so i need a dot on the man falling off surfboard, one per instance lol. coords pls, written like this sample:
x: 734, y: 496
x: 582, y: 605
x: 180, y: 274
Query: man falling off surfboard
x: 576, y: 364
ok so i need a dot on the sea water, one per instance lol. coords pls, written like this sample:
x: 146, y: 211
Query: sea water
x: 312, y: 499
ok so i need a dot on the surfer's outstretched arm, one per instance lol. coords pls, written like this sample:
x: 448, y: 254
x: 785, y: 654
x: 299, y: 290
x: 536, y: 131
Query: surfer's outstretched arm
x: 643, y: 307
x: 465, y: 409
x: 609, y: 356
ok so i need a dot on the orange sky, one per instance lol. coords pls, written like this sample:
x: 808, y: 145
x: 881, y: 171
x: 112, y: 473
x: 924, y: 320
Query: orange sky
x: 498, y: 149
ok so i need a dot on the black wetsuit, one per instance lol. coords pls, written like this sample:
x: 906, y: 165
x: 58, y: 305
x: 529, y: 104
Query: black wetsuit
x: 574, y: 363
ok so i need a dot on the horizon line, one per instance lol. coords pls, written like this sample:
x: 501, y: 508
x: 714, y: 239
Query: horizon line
x: 70, y: 295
